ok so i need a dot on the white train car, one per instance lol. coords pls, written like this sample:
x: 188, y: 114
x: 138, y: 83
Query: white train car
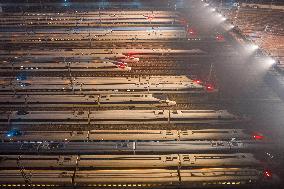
x: 99, y: 85
x: 63, y: 67
x: 131, y: 135
x: 130, y: 161
x: 262, y: 6
x: 107, y: 100
x: 115, y: 117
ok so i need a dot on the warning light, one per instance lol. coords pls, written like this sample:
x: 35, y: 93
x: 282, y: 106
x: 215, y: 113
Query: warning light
x: 209, y: 87
x: 198, y: 81
x: 267, y: 174
x: 191, y: 31
x: 121, y: 65
x: 220, y: 38
x: 150, y: 17
x: 257, y: 136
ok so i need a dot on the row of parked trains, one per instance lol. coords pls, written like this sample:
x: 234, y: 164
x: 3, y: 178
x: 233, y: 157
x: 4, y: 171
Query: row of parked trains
x: 135, y: 171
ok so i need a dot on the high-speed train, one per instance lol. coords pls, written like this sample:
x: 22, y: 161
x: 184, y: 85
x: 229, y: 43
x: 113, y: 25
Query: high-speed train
x: 131, y: 135
x: 104, y: 100
x: 90, y: 19
x: 129, y: 161
x: 64, y: 66
x: 99, y: 85
x: 21, y: 117
x: 134, y: 147
x: 139, y: 178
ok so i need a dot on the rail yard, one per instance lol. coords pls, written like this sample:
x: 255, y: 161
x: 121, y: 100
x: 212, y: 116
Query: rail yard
x: 133, y: 94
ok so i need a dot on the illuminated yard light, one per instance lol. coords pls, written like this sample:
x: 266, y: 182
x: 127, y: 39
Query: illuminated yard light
x: 252, y: 47
x: 271, y: 61
x: 231, y: 26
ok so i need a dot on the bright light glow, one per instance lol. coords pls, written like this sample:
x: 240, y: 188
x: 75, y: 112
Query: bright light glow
x: 206, y: 4
x: 271, y: 61
x: 257, y: 136
x: 231, y: 26
x: 209, y: 87
x: 220, y: 37
x: 267, y: 174
x: 121, y: 65
x: 197, y: 81
x: 191, y: 31
x: 213, y: 9
x: 223, y: 18
x: 252, y: 47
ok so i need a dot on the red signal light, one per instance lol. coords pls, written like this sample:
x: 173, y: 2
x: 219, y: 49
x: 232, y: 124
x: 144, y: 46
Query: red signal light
x: 198, y: 81
x: 121, y: 65
x: 257, y: 136
x: 267, y: 174
x: 209, y: 87
x: 220, y: 38
x: 191, y: 31
x: 150, y: 17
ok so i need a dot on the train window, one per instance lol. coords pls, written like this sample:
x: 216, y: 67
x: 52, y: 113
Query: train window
x: 186, y: 158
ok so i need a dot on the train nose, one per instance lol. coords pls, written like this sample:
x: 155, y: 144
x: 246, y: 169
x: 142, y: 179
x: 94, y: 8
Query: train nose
x: 172, y: 103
